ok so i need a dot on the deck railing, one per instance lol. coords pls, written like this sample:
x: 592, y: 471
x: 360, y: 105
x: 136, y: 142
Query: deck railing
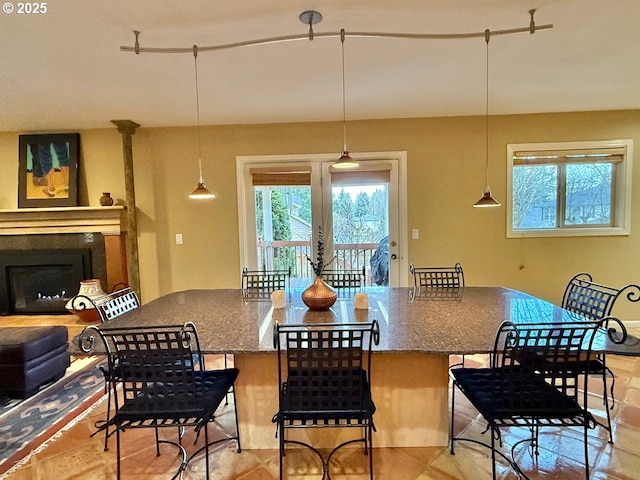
x: 282, y: 254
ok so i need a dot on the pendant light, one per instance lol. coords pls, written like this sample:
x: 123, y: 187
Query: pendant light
x: 345, y: 161
x: 487, y: 200
x: 201, y: 192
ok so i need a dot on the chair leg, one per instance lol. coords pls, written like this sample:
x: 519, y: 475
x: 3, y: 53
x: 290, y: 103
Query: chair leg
x: 226, y: 397
x: 606, y: 399
x: 206, y: 449
x: 106, y: 428
x: 586, y: 448
x: 370, y: 433
x: 281, y: 444
x: 493, y: 453
x: 112, y: 401
x: 235, y: 411
x: 157, y: 442
x: 118, y: 451
x: 365, y: 436
x: 108, y: 385
x: 453, y: 408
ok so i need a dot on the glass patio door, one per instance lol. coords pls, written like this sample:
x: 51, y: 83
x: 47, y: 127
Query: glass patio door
x: 282, y: 203
x: 361, y: 206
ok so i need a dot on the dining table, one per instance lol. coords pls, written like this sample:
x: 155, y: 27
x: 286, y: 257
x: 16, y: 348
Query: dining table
x: 419, y: 330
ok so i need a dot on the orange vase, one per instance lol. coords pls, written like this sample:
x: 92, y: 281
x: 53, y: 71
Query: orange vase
x: 319, y: 295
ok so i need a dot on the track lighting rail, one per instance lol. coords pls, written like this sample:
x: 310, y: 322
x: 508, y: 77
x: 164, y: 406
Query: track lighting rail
x: 531, y: 28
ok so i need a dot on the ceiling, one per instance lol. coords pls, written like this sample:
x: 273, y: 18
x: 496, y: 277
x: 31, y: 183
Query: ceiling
x: 64, y: 70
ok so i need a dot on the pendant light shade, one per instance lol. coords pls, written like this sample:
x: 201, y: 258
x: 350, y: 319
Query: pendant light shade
x: 487, y: 199
x: 345, y: 161
x: 201, y: 192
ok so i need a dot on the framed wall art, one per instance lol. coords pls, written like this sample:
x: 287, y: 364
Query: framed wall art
x: 48, y: 170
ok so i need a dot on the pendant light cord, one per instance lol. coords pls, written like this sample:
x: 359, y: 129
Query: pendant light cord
x: 195, y: 65
x: 487, y: 199
x: 487, y: 35
x: 344, y: 102
x: 201, y: 191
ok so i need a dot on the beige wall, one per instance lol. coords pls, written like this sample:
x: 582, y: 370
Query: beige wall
x: 445, y: 176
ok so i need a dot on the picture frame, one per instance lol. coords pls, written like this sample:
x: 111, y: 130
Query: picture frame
x: 48, y: 170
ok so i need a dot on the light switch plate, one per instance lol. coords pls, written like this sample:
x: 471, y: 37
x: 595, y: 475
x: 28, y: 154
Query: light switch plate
x: 178, y: 239
x: 415, y: 234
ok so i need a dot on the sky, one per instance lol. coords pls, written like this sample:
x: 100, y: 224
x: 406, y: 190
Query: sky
x: 353, y: 191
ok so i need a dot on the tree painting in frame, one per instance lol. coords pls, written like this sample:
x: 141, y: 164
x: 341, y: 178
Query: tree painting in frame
x: 48, y: 171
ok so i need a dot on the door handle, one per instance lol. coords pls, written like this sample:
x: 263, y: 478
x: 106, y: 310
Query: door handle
x: 394, y: 256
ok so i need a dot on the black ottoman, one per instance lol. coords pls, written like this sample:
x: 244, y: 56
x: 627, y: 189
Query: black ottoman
x: 31, y: 357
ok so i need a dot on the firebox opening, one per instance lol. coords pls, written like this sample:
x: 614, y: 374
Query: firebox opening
x: 41, y: 281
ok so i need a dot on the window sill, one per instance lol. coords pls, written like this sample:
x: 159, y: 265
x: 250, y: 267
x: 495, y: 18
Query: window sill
x: 573, y: 232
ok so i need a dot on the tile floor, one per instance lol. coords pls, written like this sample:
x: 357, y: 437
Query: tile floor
x: 76, y: 455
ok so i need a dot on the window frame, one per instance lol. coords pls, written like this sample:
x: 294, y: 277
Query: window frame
x: 621, y: 191
x: 320, y: 165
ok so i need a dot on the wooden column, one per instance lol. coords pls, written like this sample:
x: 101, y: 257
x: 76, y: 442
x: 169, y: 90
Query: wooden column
x: 127, y: 128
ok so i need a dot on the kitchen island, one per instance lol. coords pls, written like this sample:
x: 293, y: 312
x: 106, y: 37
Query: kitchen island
x: 418, y: 332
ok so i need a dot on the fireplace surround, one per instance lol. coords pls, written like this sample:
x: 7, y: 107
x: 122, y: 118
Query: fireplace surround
x: 92, y: 236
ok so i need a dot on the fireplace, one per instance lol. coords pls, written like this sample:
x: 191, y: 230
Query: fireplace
x: 94, y: 238
x: 41, y: 281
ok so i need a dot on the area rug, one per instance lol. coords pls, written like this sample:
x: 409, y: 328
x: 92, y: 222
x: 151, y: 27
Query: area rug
x: 27, y: 424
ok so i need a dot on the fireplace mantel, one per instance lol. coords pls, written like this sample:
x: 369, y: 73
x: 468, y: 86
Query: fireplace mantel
x: 24, y: 221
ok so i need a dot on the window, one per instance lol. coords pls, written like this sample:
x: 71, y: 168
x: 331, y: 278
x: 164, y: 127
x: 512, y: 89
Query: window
x: 569, y: 189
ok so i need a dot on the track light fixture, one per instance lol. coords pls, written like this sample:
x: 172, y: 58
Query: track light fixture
x: 310, y: 18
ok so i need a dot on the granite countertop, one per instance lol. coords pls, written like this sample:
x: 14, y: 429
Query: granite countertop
x: 453, y: 324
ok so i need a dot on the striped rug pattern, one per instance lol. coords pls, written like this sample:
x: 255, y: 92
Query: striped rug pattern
x: 27, y: 424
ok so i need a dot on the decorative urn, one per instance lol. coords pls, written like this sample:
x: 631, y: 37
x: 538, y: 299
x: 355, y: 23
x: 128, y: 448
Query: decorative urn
x: 82, y: 304
x: 319, y: 295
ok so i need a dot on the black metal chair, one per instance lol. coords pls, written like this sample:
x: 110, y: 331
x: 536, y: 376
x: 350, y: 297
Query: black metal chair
x: 437, y: 278
x: 121, y: 300
x: 117, y: 303
x: 324, y: 381
x: 531, y: 382
x: 345, y: 279
x: 438, y: 283
x: 259, y: 284
x: 595, y: 302
x: 163, y: 383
